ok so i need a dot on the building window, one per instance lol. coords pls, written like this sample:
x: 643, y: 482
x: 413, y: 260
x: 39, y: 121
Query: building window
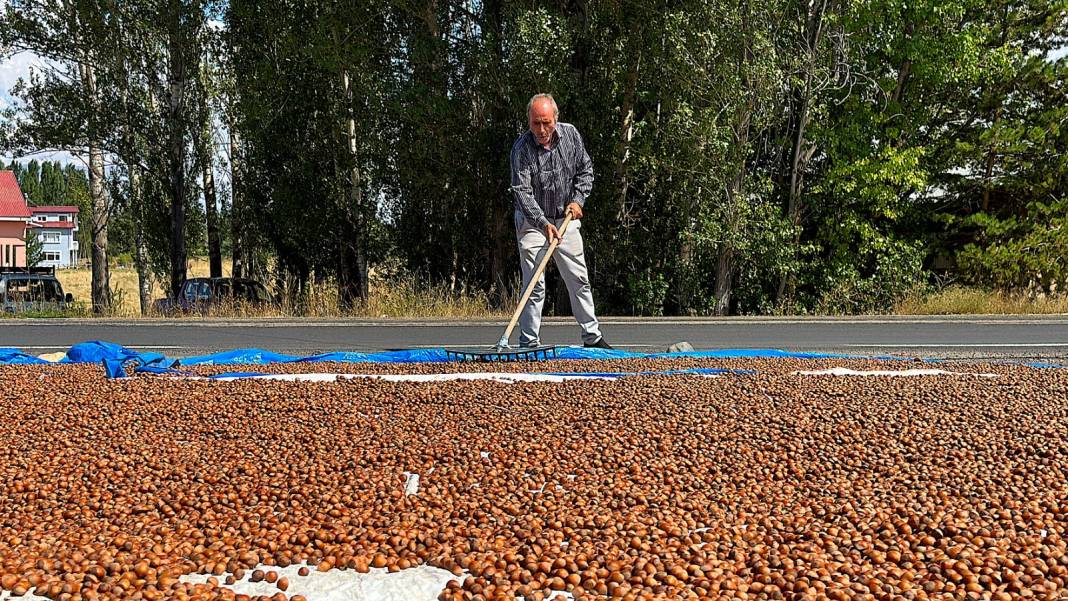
x: 63, y: 218
x: 51, y: 256
x: 50, y: 238
x: 7, y: 254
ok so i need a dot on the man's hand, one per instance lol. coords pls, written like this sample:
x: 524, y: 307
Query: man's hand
x: 552, y: 233
x: 575, y: 209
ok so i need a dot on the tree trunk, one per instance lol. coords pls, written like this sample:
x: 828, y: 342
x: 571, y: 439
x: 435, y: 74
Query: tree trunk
x: 800, y: 153
x: 237, y: 207
x: 176, y: 123
x: 735, y: 196
x: 724, y: 271
x: 743, y: 115
x: 626, y: 129
x: 353, y: 285
x: 211, y: 212
x: 101, y: 291
x: 101, y: 285
x: 211, y: 208
x: 141, y: 260
x: 137, y: 201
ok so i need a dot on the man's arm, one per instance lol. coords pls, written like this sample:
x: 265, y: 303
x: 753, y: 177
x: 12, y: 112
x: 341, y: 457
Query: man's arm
x: 522, y: 191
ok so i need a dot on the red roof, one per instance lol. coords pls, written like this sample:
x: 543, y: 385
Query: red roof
x: 54, y: 209
x: 12, y: 203
x: 57, y: 225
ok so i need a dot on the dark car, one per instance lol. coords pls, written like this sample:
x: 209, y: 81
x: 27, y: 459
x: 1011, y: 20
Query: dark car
x: 203, y: 295
x: 34, y: 289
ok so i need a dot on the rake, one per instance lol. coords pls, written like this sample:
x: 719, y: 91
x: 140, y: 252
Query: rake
x: 502, y: 351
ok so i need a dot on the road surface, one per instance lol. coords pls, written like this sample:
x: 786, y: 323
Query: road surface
x: 947, y: 337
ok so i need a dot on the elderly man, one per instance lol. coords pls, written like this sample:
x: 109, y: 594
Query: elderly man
x: 551, y: 176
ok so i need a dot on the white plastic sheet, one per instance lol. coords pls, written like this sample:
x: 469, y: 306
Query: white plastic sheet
x: 507, y: 378
x: 843, y: 371
x: 6, y: 595
x: 421, y: 583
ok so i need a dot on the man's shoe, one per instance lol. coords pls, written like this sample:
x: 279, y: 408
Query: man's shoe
x: 599, y: 344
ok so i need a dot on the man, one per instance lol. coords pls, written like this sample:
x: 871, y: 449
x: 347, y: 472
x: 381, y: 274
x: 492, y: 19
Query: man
x: 551, y: 176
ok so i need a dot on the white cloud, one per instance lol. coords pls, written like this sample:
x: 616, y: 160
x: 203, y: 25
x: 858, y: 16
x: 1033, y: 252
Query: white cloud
x: 11, y: 70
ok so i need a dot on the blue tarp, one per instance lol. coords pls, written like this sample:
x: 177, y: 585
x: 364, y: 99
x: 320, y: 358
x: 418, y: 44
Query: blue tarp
x: 115, y: 357
x: 245, y: 356
x: 1043, y: 365
x: 13, y: 356
x: 437, y: 355
x: 97, y: 351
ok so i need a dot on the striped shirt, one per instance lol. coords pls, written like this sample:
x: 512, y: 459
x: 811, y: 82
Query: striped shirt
x: 544, y: 181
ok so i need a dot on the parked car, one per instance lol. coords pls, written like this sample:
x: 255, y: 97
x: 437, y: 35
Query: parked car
x: 203, y: 295
x: 33, y: 289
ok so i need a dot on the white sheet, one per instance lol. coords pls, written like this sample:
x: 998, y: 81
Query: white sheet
x: 421, y: 583
x: 843, y: 371
x: 507, y: 378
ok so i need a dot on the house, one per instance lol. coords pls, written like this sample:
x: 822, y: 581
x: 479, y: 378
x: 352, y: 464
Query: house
x: 56, y: 228
x: 14, y: 219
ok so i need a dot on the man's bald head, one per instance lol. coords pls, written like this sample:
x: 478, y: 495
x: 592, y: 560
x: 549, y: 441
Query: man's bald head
x: 540, y: 101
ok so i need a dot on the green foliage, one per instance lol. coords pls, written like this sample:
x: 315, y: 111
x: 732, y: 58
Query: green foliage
x: 787, y: 156
x: 864, y: 259
x: 34, y: 249
x: 647, y: 292
x: 1018, y: 254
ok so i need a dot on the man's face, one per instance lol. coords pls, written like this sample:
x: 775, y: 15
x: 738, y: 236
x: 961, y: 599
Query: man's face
x: 542, y: 121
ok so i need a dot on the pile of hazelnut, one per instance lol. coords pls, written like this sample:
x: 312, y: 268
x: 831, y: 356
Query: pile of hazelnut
x: 762, y: 485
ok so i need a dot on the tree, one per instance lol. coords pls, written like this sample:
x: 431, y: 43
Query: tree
x: 34, y: 249
x: 61, y: 107
x: 204, y: 141
x: 304, y: 86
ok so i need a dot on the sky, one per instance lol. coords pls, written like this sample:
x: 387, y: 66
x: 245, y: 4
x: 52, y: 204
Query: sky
x: 11, y: 70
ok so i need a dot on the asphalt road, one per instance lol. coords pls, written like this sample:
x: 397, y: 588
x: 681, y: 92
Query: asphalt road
x: 947, y: 337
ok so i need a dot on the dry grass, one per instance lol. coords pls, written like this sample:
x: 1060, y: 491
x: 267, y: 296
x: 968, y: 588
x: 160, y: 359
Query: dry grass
x: 958, y: 300
x: 407, y: 297
x: 400, y: 297
x: 395, y: 298
x: 123, y: 285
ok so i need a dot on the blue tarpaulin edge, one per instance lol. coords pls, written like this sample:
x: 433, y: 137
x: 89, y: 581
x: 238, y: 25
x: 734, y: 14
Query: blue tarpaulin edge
x: 13, y: 356
x: 438, y: 355
x: 97, y: 351
x: 115, y: 356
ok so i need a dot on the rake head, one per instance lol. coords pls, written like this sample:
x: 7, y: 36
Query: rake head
x: 501, y: 353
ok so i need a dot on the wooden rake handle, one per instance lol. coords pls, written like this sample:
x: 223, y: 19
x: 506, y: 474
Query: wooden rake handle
x: 533, y: 282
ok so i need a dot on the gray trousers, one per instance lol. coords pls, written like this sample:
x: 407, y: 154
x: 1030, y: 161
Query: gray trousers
x: 571, y: 262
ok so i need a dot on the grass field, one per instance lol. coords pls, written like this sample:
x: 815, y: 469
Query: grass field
x: 958, y: 300
x: 398, y: 297
x: 123, y: 285
x: 402, y: 298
